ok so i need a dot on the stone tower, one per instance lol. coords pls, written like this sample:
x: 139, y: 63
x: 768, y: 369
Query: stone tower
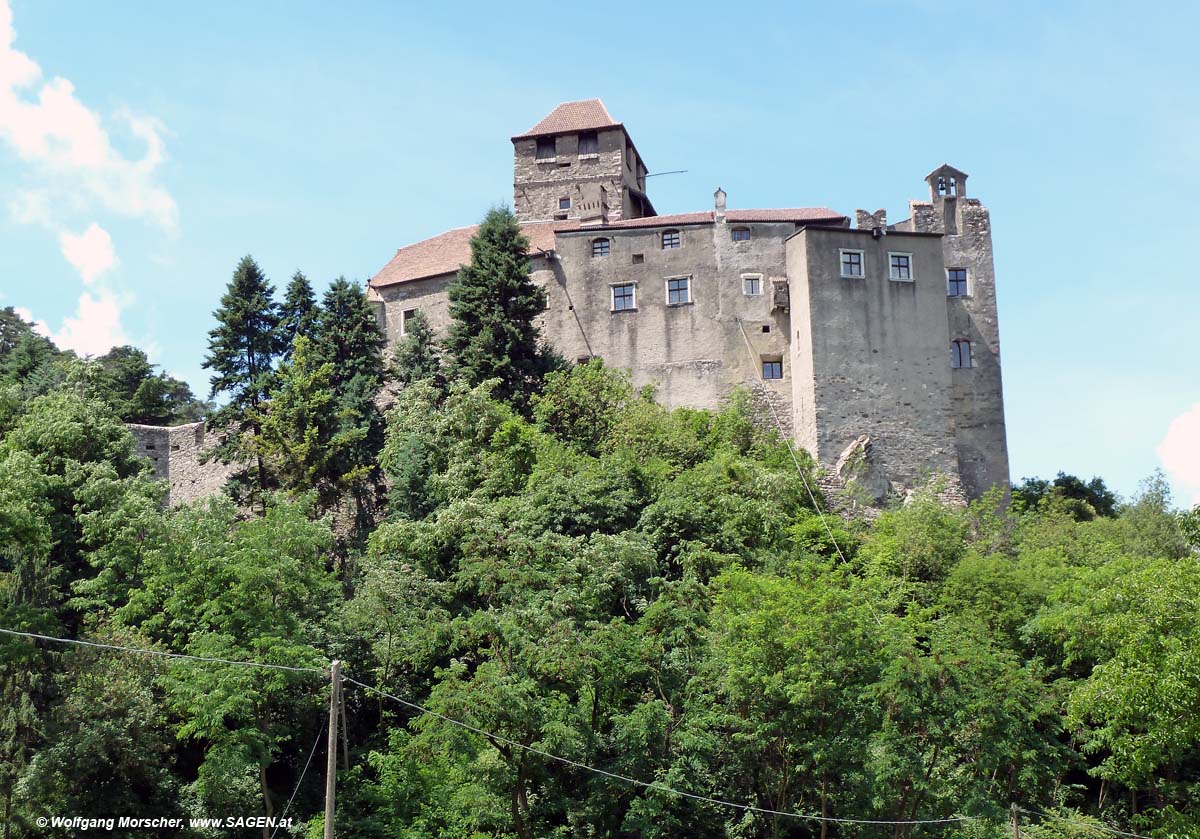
x: 971, y: 284
x: 578, y: 163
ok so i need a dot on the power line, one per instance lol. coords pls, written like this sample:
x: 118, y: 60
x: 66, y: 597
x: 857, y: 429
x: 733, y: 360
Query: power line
x: 496, y: 738
x: 162, y: 653
x: 792, y: 451
x: 1103, y: 828
x: 300, y: 781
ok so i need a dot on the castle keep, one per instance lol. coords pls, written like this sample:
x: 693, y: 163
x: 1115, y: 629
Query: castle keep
x: 875, y: 344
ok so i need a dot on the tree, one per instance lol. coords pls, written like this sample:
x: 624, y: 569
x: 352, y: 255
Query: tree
x: 298, y: 313
x: 493, y: 303
x: 417, y: 357
x: 128, y: 381
x: 1082, y: 500
x: 241, y: 351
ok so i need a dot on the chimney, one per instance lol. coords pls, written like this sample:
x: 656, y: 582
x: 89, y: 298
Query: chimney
x: 719, y: 205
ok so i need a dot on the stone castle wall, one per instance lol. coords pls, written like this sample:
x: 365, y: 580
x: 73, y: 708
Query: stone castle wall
x: 176, y: 455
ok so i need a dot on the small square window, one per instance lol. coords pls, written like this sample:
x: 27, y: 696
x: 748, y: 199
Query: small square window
x: 752, y: 284
x: 956, y: 280
x: 624, y: 297
x: 546, y: 148
x: 900, y: 267
x: 766, y: 329
x: 564, y: 203
x: 405, y: 319
x: 589, y: 143
x: 670, y: 240
x: 638, y: 258
x: 852, y: 263
x: 772, y: 368
x: 741, y: 234
x: 679, y: 291
x: 601, y: 247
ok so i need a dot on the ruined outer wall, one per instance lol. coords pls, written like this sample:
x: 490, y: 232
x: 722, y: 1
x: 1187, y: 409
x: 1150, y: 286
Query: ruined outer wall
x: 175, y: 454
x: 538, y: 185
x: 879, y: 352
x: 980, y: 432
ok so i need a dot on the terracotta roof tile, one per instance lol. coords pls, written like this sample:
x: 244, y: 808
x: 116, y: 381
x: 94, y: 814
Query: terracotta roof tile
x: 584, y: 115
x: 444, y: 253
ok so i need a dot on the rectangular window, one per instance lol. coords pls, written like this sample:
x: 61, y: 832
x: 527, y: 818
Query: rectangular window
x: 852, y: 263
x: 564, y: 203
x: 600, y: 247
x: 900, y: 267
x: 751, y: 284
x: 956, y: 279
x: 638, y: 259
x: 589, y: 143
x: 670, y: 239
x: 624, y: 297
x: 545, y: 148
x: 679, y: 291
x: 772, y: 368
x: 960, y: 354
x: 741, y: 234
x: 405, y: 318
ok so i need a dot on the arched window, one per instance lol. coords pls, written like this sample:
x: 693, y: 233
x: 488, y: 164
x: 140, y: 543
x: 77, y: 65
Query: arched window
x: 601, y: 247
x: 740, y: 234
x: 671, y: 240
x: 960, y: 354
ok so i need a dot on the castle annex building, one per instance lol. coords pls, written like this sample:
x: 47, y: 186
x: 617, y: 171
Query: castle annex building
x: 876, y: 344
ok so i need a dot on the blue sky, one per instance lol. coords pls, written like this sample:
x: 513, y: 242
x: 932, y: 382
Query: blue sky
x: 145, y: 148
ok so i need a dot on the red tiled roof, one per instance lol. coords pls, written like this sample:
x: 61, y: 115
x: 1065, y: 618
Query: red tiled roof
x: 585, y: 115
x: 444, y: 253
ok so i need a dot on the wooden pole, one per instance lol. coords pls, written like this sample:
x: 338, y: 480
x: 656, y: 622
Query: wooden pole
x: 1016, y: 821
x: 335, y: 689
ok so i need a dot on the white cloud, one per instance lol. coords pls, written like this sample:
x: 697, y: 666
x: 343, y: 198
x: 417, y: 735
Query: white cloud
x: 94, y: 329
x: 1179, y: 452
x: 69, y: 146
x: 90, y: 252
x: 23, y: 313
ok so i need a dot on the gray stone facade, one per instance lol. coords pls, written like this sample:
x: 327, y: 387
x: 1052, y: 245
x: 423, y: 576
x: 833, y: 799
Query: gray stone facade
x: 176, y: 455
x: 864, y: 361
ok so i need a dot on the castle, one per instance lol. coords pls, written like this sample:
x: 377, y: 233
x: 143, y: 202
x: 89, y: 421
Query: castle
x: 875, y: 345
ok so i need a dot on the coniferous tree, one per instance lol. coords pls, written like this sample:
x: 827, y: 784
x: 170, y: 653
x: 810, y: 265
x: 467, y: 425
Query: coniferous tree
x: 494, y: 303
x: 298, y: 312
x: 417, y: 356
x: 241, y: 352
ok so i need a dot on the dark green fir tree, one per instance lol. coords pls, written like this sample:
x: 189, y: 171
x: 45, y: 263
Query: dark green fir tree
x: 298, y: 312
x: 417, y: 357
x: 493, y: 303
x: 241, y: 353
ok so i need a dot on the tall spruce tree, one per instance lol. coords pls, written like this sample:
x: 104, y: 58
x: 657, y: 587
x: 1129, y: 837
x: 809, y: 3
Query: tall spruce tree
x: 241, y: 353
x: 417, y: 356
x: 298, y: 312
x: 493, y: 303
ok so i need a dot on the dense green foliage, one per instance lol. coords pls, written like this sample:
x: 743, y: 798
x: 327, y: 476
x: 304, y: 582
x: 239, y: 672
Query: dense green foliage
x: 590, y: 581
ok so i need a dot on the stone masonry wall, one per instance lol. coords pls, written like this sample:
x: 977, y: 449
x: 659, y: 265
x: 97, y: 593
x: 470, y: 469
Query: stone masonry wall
x: 539, y: 184
x: 175, y: 454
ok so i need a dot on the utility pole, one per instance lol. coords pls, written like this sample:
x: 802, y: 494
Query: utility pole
x: 335, y: 689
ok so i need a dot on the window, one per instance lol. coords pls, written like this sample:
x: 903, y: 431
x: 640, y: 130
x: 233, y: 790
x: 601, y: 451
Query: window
x: 670, y: 239
x: 545, y: 148
x: 638, y: 258
x: 947, y: 186
x: 751, y: 284
x: 900, y: 267
x: 960, y: 354
x: 600, y: 247
x: 679, y: 291
x: 564, y: 203
x: 741, y: 234
x: 624, y: 297
x: 772, y: 368
x: 405, y: 319
x: 589, y: 143
x: 956, y: 280
x: 852, y: 263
